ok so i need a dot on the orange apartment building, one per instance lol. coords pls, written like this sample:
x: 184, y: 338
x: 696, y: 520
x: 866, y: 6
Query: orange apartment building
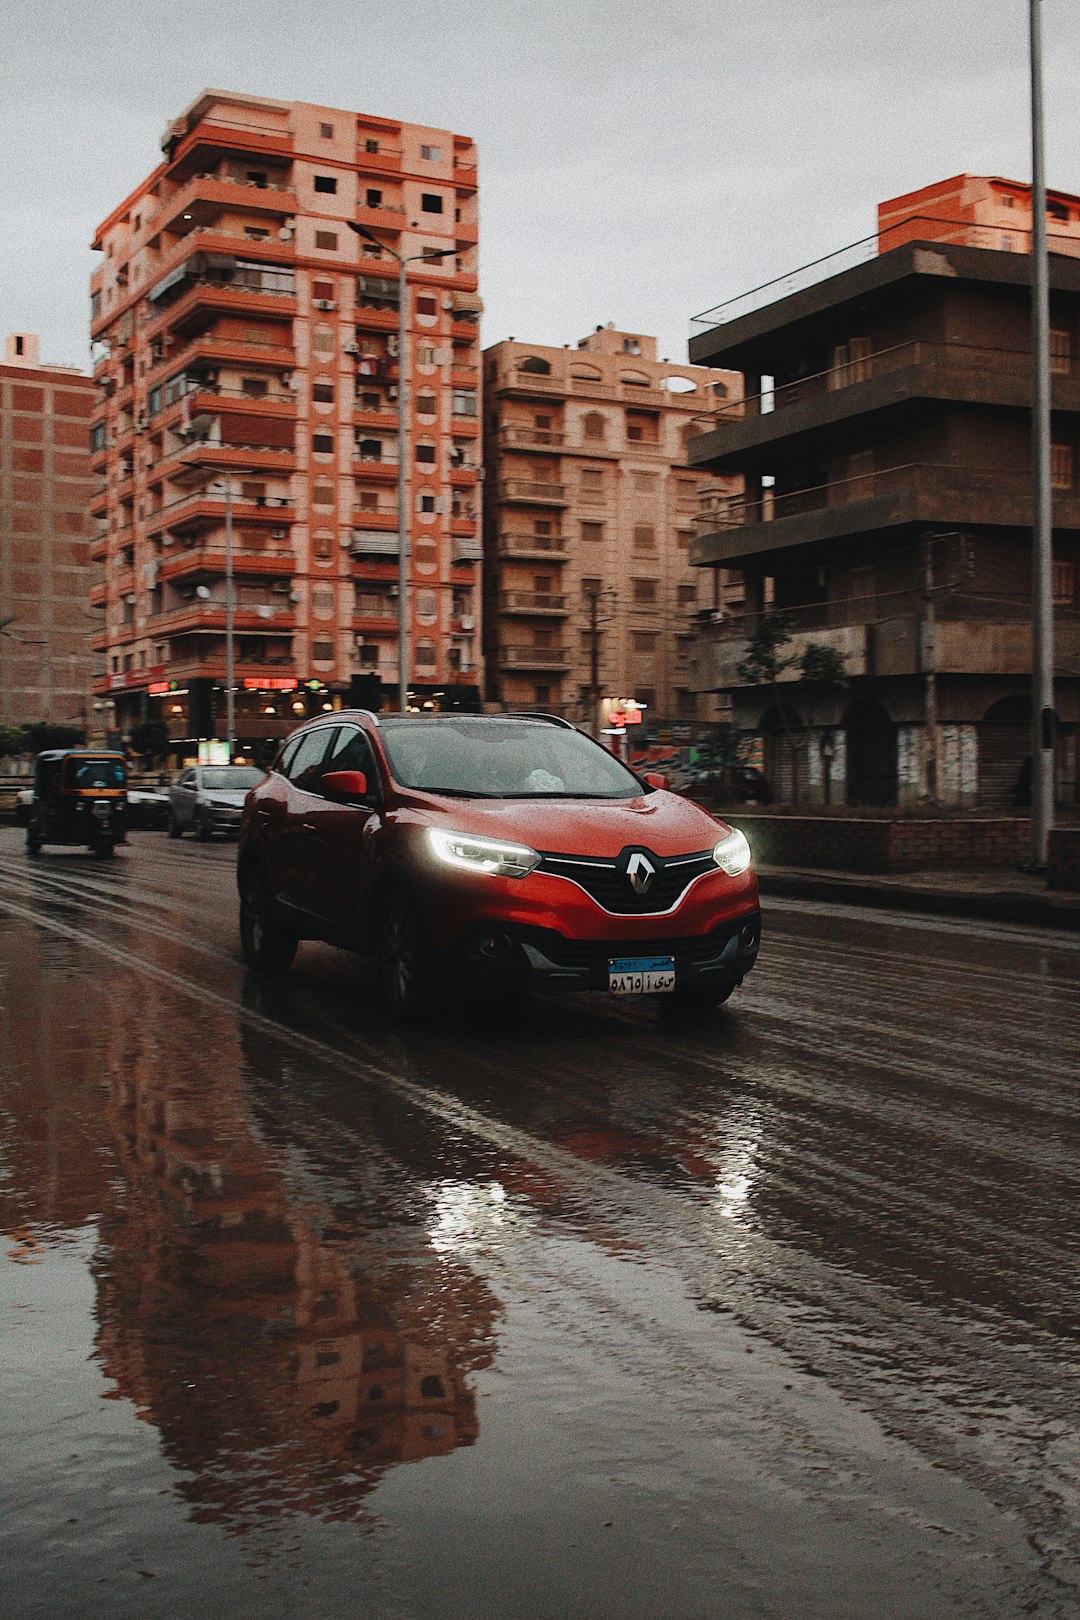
x: 590, y: 508
x: 46, y: 626
x: 246, y: 349
x: 978, y: 211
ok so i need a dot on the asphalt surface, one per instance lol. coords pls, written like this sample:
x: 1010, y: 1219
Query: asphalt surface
x: 583, y: 1313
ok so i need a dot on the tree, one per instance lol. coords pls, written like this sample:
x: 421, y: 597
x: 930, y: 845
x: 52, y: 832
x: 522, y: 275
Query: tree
x: 42, y: 734
x: 767, y: 660
x: 13, y: 740
x: 150, y: 739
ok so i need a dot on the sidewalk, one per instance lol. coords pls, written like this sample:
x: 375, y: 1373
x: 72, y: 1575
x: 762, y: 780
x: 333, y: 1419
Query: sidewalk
x: 993, y: 896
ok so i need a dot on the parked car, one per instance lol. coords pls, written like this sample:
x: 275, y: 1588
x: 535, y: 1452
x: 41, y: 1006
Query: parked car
x: 206, y: 799
x: 492, y: 853
x: 148, y: 806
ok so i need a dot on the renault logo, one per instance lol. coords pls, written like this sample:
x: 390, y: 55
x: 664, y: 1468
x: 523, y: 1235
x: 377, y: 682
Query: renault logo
x: 640, y: 871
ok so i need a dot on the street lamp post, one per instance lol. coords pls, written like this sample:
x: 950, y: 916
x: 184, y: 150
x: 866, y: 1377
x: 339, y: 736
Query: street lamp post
x: 402, y: 435
x: 230, y: 695
x: 1042, y: 618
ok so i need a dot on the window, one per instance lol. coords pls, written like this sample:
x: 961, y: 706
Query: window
x: 646, y: 482
x: 687, y: 594
x: 644, y: 590
x: 431, y: 154
x: 322, y: 289
x: 426, y: 607
x: 644, y: 641
x: 373, y: 197
x: 322, y: 602
x: 254, y: 387
x: 322, y: 494
x: 326, y: 131
x: 536, y: 366
x: 351, y: 750
x: 464, y: 402
x: 1063, y: 588
x: 590, y: 587
x: 425, y: 355
x: 1061, y: 466
x: 322, y: 444
x: 427, y: 503
x: 323, y: 392
x: 304, y: 766
x: 592, y: 532
x: 322, y: 340
x: 153, y: 401
x: 426, y: 404
x: 369, y: 401
x: 642, y: 427
x: 542, y: 693
x: 326, y: 239
x: 97, y: 432
x: 256, y: 177
x: 431, y: 202
x: 542, y: 526
x: 631, y: 346
x: 322, y: 652
x: 369, y: 449
x: 425, y: 454
x: 324, y: 544
x: 326, y: 183
x: 644, y: 537
x: 368, y: 500
x: 371, y: 145
x: 426, y: 304
x: 425, y: 654
x: 683, y: 538
x: 256, y: 233
x: 1060, y: 350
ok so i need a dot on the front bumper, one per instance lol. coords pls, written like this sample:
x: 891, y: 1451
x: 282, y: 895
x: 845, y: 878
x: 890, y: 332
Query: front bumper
x: 546, y: 960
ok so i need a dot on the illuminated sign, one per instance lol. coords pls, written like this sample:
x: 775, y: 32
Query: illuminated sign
x: 276, y: 683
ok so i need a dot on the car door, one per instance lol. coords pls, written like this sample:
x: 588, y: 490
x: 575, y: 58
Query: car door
x: 342, y: 834
x: 182, y: 797
x: 296, y: 858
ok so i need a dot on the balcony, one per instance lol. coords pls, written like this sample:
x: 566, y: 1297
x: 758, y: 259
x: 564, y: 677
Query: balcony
x: 387, y: 218
x: 961, y: 372
x: 529, y: 384
x: 205, y: 509
x: 546, y: 547
x: 384, y: 157
x: 515, y: 657
x: 208, y: 618
x: 206, y: 300
x: 209, y: 560
x: 210, y: 349
x: 513, y: 437
x: 206, y: 196
x: 466, y: 548
x: 532, y: 603
x: 918, y: 493
x: 205, y: 456
x: 528, y: 492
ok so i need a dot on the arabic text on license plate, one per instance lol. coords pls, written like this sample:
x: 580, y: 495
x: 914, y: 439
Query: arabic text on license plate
x: 640, y: 975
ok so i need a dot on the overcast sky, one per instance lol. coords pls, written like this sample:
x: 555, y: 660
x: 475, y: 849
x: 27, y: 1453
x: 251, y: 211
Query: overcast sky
x: 638, y: 162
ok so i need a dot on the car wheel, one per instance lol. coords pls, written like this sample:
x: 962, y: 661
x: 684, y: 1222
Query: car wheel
x: 698, y: 1002
x: 102, y: 846
x: 202, y: 829
x: 33, y: 840
x: 265, y: 944
x: 174, y: 828
x: 402, y: 958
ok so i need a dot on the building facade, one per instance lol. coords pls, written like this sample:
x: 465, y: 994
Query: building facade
x: 46, y: 627
x: 589, y: 512
x: 246, y: 343
x: 977, y: 211
x: 885, y: 445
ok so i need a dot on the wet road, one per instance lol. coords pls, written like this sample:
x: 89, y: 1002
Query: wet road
x: 581, y: 1315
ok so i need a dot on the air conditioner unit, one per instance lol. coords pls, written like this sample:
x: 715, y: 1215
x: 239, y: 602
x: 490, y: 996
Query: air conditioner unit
x: 392, y: 392
x: 141, y: 424
x: 294, y: 384
x: 392, y: 343
x: 279, y: 534
x: 286, y: 233
x: 323, y: 303
x: 448, y: 303
x: 350, y: 348
x: 468, y: 622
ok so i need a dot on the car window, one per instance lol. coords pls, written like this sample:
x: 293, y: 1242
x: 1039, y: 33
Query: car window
x: 305, y: 766
x: 286, y: 758
x: 352, y: 752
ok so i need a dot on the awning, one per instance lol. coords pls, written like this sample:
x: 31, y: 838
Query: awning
x: 173, y: 279
x: 467, y: 303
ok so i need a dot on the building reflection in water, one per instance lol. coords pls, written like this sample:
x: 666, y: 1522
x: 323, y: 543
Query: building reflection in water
x: 274, y: 1307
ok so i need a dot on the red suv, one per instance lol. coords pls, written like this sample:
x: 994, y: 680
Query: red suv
x: 494, y: 851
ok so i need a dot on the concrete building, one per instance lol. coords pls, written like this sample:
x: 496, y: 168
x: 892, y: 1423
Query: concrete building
x: 885, y: 444
x: 977, y: 211
x: 46, y: 625
x: 588, y: 516
x: 246, y: 343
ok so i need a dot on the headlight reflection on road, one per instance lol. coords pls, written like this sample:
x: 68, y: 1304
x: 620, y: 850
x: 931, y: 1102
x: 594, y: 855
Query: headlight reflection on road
x: 737, y: 1171
x: 466, y: 1213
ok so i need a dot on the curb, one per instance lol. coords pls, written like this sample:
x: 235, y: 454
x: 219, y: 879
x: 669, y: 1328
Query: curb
x: 999, y: 905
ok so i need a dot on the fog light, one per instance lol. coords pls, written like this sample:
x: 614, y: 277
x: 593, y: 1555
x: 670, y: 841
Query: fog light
x: 493, y: 945
x: 749, y: 936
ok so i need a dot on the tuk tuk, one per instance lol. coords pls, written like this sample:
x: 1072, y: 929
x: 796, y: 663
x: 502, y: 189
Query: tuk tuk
x: 80, y: 797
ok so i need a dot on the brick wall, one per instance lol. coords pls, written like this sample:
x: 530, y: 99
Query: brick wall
x: 847, y: 844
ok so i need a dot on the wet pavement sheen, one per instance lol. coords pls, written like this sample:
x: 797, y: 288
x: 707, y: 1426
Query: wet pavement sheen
x: 582, y: 1312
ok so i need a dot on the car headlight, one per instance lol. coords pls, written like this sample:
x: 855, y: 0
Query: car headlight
x: 732, y: 854
x: 490, y: 855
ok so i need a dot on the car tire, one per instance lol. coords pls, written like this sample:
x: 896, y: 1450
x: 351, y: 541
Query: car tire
x: 103, y: 847
x: 698, y: 1002
x: 203, y: 830
x: 402, y: 957
x: 264, y: 943
x: 174, y: 828
x: 33, y: 840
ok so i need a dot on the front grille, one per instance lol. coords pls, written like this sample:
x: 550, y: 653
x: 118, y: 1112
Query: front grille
x: 596, y: 953
x: 609, y: 882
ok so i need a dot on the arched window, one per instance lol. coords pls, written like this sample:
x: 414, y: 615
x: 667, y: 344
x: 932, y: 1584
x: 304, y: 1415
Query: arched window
x: 534, y: 364
x: 594, y: 426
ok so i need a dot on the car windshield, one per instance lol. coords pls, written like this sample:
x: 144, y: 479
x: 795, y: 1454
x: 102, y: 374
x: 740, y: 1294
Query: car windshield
x: 503, y: 759
x: 231, y: 778
x: 95, y: 773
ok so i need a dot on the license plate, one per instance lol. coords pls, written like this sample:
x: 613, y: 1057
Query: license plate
x: 640, y: 975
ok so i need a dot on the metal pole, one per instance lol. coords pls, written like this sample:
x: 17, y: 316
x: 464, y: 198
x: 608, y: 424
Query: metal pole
x: 929, y: 652
x: 402, y: 488
x: 230, y: 701
x: 1042, y: 610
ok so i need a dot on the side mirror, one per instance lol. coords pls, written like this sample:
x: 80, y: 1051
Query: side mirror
x: 344, y: 785
x: 657, y: 779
